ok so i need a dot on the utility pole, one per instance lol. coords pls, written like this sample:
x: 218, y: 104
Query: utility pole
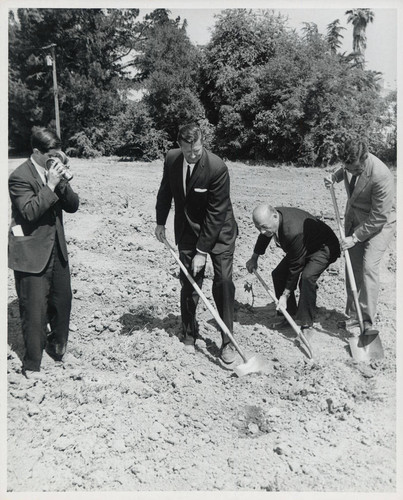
x: 52, y: 61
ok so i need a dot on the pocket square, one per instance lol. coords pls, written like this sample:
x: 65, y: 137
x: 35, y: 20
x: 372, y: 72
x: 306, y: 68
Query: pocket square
x: 200, y: 190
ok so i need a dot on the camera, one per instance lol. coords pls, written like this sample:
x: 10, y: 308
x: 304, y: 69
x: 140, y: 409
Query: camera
x: 61, y: 158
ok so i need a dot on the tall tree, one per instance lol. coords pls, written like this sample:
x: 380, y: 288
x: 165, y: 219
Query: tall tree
x: 360, y: 19
x: 334, y: 36
x: 90, y: 46
x: 168, y: 65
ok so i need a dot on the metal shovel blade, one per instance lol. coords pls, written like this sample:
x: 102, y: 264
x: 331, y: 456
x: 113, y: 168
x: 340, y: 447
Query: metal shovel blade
x: 254, y: 364
x: 366, y: 347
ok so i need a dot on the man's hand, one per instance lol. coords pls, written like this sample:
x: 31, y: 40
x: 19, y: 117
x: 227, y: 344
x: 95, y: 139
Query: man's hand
x: 160, y: 233
x: 251, y: 264
x: 198, y: 262
x: 55, y: 174
x: 347, y: 242
x: 282, y: 303
x: 329, y: 180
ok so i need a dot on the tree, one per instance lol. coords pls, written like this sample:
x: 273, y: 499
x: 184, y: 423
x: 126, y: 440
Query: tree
x: 334, y: 35
x: 242, y: 42
x: 168, y: 65
x: 90, y: 46
x: 360, y: 19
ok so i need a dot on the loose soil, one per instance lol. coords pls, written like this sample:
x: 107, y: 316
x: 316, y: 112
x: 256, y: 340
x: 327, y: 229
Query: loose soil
x: 131, y: 408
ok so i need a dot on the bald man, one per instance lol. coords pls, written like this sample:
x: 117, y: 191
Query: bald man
x: 310, y: 246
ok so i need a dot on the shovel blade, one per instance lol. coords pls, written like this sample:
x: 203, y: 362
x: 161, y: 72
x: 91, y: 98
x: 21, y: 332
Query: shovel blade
x: 366, y: 347
x: 254, y: 364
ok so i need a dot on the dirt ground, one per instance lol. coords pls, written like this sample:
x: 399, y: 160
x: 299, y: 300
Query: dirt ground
x: 132, y: 409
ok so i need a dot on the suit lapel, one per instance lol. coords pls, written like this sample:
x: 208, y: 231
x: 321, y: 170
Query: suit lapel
x: 362, y: 181
x: 35, y: 174
x: 177, y: 171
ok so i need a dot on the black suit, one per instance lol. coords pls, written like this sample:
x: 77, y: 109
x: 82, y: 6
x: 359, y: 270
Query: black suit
x: 39, y: 259
x: 310, y: 246
x: 204, y: 220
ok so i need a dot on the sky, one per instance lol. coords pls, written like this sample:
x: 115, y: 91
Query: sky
x: 381, y: 52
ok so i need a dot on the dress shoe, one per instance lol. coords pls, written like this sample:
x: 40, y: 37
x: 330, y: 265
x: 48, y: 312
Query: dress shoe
x: 188, y: 340
x: 228, y: 353
x: 32, y: 374
x: 281, y: 324
x: 354, y: 323
x: 308, y: 332
x: 55, y: 351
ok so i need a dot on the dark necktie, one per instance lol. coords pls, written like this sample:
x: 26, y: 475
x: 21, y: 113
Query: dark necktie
x: 188, y: 175
x: 352, y: 184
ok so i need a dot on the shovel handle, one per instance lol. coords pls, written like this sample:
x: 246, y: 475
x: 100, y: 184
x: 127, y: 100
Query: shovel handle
x: 213, y: 311
x: 349, y: 266
x: 294, y: 325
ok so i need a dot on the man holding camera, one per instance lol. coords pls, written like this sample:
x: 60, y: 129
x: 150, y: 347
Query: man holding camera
x: 37, y: 250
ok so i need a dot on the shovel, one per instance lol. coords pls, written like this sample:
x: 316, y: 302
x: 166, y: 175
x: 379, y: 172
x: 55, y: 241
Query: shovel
x: 300, y: 336
x: 366, y: 346
x: 252, y: 365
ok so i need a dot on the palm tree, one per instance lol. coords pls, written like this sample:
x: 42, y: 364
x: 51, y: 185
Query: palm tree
x: 359, y: 19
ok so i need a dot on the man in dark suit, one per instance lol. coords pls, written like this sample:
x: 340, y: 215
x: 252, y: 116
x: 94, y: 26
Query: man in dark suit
x: 37, y: 250
x: 310, y: 246
x: 370, y: 223
x: 198, y: 181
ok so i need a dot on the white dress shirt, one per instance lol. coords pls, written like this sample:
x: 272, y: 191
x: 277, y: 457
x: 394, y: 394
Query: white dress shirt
x: 41, y: 170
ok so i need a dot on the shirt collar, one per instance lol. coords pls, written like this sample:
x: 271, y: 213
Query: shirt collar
x: 41, y: 170
x: 185, y: 165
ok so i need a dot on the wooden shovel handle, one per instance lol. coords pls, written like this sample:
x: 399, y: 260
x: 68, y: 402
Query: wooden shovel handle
x: 213, y: 311
x: 349, y: 266
x: 294, y: 325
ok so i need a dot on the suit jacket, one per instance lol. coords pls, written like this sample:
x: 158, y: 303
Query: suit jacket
x: 39, y: 211
x: 207, y: 205
x: 300, y: 234
x: 371, y: 205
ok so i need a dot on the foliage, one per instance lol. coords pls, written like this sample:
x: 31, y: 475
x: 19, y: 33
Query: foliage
x: 259, y: 90
x: 135, y: 135
x: 334, y: 35
x: 298, y: 104
x: 167, y: 66
x: 89, y: 46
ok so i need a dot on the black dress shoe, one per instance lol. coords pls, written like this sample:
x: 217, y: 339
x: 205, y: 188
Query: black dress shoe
x: 55, y: 351
x: 354, y: 323
x: 228, y: 353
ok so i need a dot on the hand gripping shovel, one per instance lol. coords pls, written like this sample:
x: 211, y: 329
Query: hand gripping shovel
x: 300, y: 336
x: 255, y: 363
x: 366, y: 346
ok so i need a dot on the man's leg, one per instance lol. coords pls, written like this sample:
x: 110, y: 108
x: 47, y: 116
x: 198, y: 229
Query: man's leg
x: 373, y: 251
x: 224, y: 288
x: 189, y: 296
x: 314, y: 267
x: 59, y: 308
x: 279, y: 276
x: 33, y: 292
x: 357, y: 258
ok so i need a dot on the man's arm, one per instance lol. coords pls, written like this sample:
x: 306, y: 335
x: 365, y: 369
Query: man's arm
x: 68, y: 198
x: 164, y: 198
x: 31, y: 206
x: 216, y: 212
x: 382, y: 195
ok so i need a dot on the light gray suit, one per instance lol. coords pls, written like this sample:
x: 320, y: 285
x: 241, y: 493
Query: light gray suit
x: 370, y: 214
